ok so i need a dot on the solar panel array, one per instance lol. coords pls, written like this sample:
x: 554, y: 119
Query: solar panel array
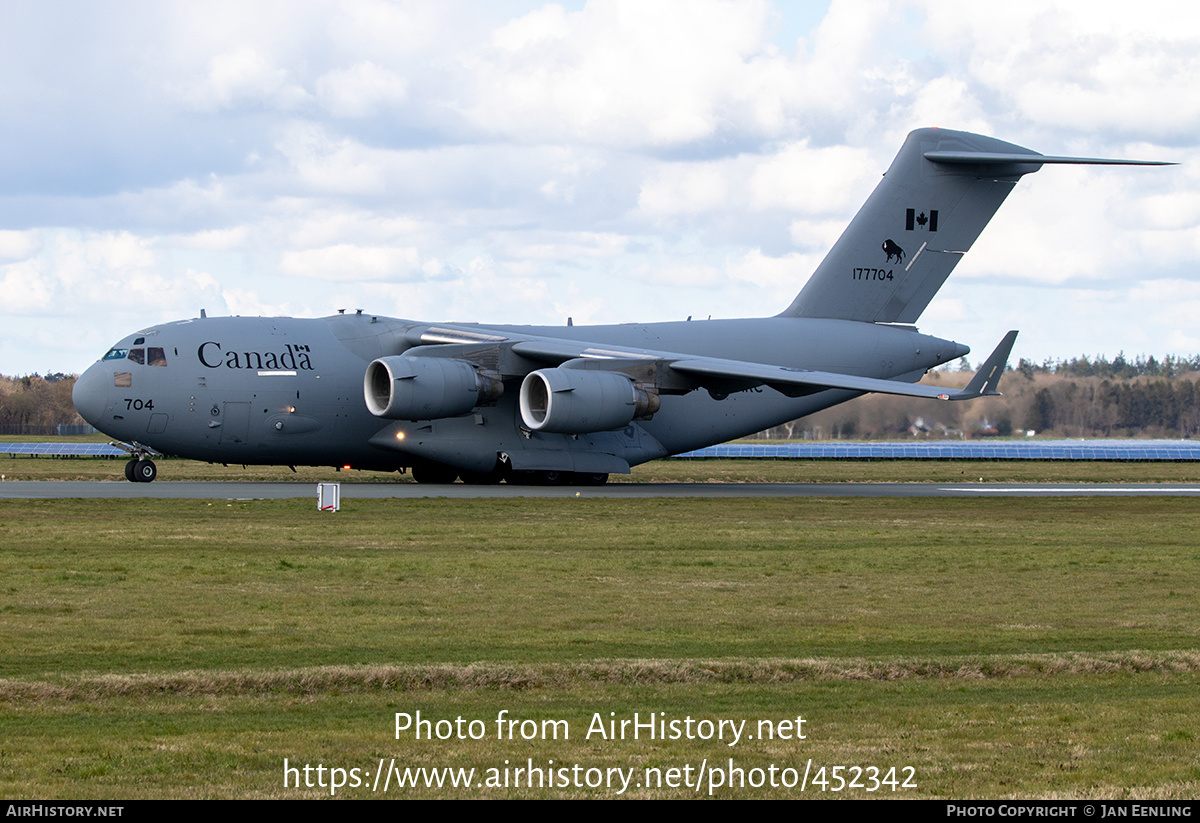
x: 62, y: 449
x: 965, y: 449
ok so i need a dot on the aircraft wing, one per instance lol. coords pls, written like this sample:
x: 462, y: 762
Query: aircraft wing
x: 726, y: 376
x: 788, y: 380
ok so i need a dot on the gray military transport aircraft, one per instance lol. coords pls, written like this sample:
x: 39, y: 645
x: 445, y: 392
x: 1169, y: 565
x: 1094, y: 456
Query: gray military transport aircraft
x: 541, y: 404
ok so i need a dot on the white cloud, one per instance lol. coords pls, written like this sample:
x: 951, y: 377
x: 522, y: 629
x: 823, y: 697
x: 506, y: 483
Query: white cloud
x: 684, y: 189
x: 1091, y: 68
x: 1065, y: 224
x: 25, y: 287
x: 816, y: 235
x: 542, y: 27
x: 782, y: 275
x: 345, y: 262
x: 796, y: 178
x: 812, y: 181
x: 329, y: 164
x: 245, y: 77
x: 562, y: 247
x: 625, y: 73
x: 676, y: 273
x: 360, y: 90
x: 1181, y: 341
x: 19, y: 245
x: 249, y: 303
x: 214, y: 239
x: 313, y: 225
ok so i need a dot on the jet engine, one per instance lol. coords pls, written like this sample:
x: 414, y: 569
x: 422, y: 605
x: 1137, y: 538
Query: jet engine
x: 426, y: 388
x: 578, y: 401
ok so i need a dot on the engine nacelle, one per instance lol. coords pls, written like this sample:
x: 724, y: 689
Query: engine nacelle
x: 426, y: 388
x: 578, y: 401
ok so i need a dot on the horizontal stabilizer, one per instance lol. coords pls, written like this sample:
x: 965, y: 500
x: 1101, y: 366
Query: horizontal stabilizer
x: 992, y: 158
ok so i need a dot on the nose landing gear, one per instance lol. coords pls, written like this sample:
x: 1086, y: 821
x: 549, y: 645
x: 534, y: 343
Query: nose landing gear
x: 141, y: 468
x: 141, y: 471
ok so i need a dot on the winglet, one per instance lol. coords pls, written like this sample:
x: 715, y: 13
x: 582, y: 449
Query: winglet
x: 987, y: 378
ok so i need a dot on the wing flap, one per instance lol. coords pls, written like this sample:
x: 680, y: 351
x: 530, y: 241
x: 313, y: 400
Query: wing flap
x: 561, y: 350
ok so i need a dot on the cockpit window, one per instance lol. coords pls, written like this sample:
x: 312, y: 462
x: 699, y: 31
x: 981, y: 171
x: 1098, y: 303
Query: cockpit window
x: 138, y: 356
x: 116, y: 354
x: 155, y: 356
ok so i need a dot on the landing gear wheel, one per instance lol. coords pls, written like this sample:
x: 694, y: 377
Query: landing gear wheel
x: 589, y: 479
x: 141, y: 471
x: 434, y: 473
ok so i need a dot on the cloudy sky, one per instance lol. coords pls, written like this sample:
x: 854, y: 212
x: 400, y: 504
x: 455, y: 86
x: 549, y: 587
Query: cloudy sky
x: 613, y: 161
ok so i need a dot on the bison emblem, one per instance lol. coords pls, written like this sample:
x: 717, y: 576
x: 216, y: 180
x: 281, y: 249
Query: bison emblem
x: 892, y: 250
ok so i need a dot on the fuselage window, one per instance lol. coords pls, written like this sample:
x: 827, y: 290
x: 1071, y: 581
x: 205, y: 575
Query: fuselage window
x: 138, y: 356
x: 116, y: 354
x: 123, y: 379
x: 155, y: 357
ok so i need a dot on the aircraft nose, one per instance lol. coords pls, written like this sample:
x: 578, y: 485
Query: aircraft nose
x: 90, y: 393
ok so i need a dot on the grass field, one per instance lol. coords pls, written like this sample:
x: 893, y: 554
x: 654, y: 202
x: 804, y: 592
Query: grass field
x: 999, y: 648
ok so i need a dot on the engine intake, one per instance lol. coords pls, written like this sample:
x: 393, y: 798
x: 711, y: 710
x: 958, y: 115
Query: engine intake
x: 578, y: 401
x: 426, y: 388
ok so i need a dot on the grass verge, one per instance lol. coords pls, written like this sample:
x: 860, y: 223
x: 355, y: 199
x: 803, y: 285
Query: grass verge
x: 1002, y: 648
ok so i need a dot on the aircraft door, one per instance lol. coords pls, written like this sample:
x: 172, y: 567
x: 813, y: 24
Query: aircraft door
x: 235, y: 426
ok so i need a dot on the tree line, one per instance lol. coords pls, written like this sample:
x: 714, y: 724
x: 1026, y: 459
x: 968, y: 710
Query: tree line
x: 1079, y: 397
x: 1119, y: 367
x: 37, y: 401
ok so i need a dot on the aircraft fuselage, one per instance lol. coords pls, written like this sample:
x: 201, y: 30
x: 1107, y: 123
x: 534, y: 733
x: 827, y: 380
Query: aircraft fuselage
x: 289, y: 391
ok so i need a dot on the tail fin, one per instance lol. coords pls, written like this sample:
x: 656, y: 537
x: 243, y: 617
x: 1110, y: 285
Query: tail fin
x: 941, y: 190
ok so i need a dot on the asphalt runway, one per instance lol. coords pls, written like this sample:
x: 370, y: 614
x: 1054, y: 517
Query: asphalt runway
x: 213, y: 490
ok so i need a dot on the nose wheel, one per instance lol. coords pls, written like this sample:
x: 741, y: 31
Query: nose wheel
x: 141, y: 471
x: 141, y: 468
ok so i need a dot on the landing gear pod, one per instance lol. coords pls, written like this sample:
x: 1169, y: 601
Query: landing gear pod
x: 576, y: 401
x: 426, y: 388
